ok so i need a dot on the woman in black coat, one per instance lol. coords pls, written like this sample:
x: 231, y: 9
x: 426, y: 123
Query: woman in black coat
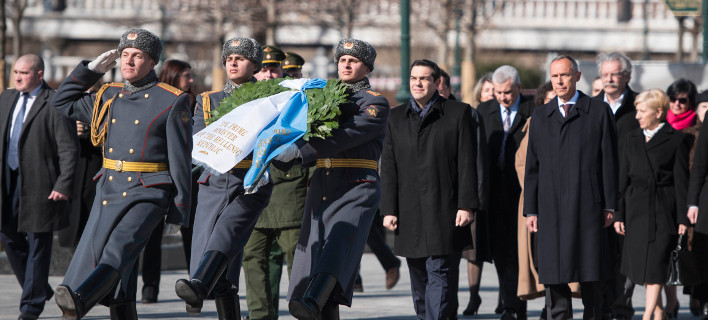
x: 653, y: 184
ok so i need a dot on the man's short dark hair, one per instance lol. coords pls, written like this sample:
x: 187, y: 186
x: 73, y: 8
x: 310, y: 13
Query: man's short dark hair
x: 683, y: 86
x: 427, y: 63
x: 445, y: 78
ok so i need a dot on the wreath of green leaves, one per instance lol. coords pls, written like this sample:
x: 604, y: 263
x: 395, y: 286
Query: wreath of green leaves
x: 323, y: 104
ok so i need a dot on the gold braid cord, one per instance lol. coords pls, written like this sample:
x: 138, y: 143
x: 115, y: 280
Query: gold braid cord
x: 100, y: 112
x: 206, y: 106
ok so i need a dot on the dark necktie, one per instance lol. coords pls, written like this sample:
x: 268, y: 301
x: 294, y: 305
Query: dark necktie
x: 12, y: 159
x: 566, y: 108
x: 507, y: 127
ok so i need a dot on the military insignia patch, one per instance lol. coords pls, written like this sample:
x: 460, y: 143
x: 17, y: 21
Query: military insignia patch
x: 186, y: 118
x: 372, y: 111
x: 268, y: 49
x: 349, y: 45
x: 235, y: 43
x: 132, y: 36
x: 373, y: 93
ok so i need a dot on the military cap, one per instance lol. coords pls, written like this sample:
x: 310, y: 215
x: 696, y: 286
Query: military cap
x: 272, y: 55
x: 143, y: 40
x: 247, y: 47
x: 360, y: 49
x: 293, y: 61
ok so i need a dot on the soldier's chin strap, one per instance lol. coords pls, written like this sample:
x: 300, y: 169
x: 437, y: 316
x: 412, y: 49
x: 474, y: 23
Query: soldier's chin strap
x: 99, y: 117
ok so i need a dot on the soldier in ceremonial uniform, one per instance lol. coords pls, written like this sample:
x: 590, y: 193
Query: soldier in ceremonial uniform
x: 292, y: 65
x: 145, y: 130
x: 225, y: 215
x: 278, y: 227
x: 272, y: 64
x: 344, y: 192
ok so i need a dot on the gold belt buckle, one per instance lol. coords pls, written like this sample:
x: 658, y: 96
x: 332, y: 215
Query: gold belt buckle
x: 119, y: 166
x: 328, y: 163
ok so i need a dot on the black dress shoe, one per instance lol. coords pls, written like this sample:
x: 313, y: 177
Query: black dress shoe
x: 27, y: 316
x: 149, y: 294
x: 673, y: 314
x: 509, y: 315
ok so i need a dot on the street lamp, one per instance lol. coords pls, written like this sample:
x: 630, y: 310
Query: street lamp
x: 403, y: 94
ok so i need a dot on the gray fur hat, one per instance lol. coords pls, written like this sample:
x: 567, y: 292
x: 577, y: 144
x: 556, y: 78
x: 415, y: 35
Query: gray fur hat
x: 143, y: 40
x: 360, y: 49
x: 246, y: 47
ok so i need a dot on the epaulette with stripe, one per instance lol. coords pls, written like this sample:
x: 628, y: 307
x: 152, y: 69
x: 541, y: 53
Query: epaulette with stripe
x: 114, y: 84
x: 170, y: 88
x: 373, y: 93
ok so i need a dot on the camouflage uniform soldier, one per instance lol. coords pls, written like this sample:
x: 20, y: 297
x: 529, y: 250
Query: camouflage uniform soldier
x: 145, y: 130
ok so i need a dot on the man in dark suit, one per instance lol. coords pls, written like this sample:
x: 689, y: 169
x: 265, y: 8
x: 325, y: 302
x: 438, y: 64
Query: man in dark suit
x: 615, y: 72
x: 40, y: 150
x: 503, y: 120
x: 429, y: 178
x: 570, y: 191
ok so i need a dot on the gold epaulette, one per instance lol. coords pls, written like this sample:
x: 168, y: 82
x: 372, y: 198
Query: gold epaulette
x: 170, y: 88
x: 206, y: 104
x: 373, y: 93
x: 100, y: 114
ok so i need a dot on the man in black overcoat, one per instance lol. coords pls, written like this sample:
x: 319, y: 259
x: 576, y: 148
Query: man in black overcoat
x: 40, y: 150
x: 503, y: 118
x: 615, y: 71
x: 429, y: 178
x: 571, y: 191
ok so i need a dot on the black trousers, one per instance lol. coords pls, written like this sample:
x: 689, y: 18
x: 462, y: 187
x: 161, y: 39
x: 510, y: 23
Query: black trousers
x: 560, y: 307
x: 433, y: 286
x: 618, y: 289
x: 29, y: 253
x: 152, y: 258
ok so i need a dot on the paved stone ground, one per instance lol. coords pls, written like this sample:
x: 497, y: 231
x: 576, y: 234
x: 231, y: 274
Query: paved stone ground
x: 374, y: 303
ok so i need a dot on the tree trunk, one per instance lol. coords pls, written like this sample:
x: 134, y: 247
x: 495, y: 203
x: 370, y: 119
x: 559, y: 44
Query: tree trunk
x: 217, y: 71
x: 681, y: 31
x: 271, y: 22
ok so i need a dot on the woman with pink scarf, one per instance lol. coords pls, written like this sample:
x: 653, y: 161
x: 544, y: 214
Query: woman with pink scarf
x: 682, y: 113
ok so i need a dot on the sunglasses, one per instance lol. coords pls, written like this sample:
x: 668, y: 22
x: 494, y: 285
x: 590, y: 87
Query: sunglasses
x: 680, y: 100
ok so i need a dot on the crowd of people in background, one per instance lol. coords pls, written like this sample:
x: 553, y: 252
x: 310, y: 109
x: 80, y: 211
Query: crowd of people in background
x: 597, y: 189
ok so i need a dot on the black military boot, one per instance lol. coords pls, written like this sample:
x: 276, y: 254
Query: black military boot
x: 313, y: 301
x: 227, y: 307
x: 124, y: 311
x: 330, y: 311
x: 75, y: 304
x: 194, y: 291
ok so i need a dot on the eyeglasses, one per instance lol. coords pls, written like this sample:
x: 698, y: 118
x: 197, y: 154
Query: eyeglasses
x: 680, y: 100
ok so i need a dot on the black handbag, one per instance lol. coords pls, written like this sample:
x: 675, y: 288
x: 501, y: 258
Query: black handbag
x: 674, y: 269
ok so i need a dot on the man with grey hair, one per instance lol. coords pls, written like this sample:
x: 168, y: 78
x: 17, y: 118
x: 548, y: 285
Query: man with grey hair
x: 570, y: 191
x: 615, y: 71
x: 225, y: 215
x: 504, y: 118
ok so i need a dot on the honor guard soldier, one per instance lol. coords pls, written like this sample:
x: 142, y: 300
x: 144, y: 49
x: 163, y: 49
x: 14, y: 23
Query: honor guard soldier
x: 145, y: 130
x: 225, y: 215
x: 272, y: 65
x: 292, y: 65
x: 275, y: 236
x: 344, y: 192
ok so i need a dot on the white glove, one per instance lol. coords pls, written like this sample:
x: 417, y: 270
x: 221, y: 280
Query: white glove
x: 170, y: 229
x: 287, y: 155
x: 265, y: 179
x: 106, y: 61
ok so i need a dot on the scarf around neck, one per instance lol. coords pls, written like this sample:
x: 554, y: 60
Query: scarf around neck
x: 681, y: 121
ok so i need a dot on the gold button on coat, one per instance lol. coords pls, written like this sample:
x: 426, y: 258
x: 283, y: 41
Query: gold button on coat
x: 130, y: 179
x: 110, y: 178
x: 105, y: 202
x: 125, y: 194
x: 113, y: 120
x: 147, y: 96
x: 324, y: 198
x: 110, y: 149
x: 131, y: 151
x: 120, y: 95
x: 137, y: 122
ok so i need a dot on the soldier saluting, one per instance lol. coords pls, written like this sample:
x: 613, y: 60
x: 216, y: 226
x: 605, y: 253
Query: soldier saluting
x: 145, y: 130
